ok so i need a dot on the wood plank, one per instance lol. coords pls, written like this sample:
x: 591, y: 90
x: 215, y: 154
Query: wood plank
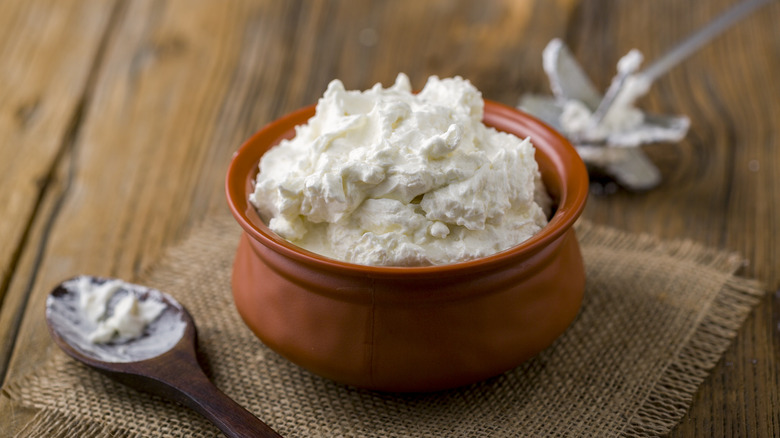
x: 27, y: 267
x: 46, y: 51
x: 136, y: 155
x: 134, y: 150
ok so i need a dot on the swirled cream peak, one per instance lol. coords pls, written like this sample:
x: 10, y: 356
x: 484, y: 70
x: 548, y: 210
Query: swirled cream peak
x: 388, y: 177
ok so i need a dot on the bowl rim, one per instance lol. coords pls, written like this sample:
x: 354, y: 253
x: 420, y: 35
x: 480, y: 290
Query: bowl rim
x: 555, y: 147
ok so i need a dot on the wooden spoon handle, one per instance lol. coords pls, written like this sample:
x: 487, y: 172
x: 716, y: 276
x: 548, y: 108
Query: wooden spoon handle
x: 179, y: 377
x: 232, y: 419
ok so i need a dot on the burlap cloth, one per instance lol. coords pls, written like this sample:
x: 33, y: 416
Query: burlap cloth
x: 656, y: 318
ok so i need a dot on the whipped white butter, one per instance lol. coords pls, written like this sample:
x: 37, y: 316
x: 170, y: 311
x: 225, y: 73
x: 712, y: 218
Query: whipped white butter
x: 387, y: 177
x: 123, y: 320
x: 619, y: 124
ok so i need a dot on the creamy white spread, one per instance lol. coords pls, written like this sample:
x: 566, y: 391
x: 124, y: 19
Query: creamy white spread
x: 388, y: 177
x: 123, y: 320
x: 621, y: 120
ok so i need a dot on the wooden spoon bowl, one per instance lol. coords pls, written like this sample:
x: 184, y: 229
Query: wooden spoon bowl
x: 173, y: 373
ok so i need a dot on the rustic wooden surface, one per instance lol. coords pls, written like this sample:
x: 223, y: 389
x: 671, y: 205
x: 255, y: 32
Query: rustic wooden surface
x: 118, y: 119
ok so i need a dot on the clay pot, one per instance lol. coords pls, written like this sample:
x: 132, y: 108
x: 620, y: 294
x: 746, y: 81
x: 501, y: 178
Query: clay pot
x: 412, y: 328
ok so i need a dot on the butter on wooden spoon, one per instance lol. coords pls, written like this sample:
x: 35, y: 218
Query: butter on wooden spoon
x: 144, y: 339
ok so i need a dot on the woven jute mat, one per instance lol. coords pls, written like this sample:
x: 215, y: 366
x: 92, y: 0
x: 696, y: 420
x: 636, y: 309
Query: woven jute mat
x: 656, y: 317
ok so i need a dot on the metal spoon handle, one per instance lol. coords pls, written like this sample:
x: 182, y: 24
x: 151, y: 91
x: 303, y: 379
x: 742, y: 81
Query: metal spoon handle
x: 699, y: 38
x: 675, y: 55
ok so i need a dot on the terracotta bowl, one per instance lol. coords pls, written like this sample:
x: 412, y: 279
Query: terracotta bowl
x: 412, y: 328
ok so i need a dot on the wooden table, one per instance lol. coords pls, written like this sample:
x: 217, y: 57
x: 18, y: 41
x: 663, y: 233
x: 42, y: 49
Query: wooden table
x: 118, y: 119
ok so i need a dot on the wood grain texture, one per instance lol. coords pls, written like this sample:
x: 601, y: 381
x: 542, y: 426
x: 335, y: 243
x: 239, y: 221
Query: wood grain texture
x: 117, y: 121
x: 47, y: 51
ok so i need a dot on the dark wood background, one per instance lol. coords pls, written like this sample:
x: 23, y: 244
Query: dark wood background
x: 118, y: 119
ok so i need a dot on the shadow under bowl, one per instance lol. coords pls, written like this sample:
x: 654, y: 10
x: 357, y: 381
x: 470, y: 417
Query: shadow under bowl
x: 411, y: 329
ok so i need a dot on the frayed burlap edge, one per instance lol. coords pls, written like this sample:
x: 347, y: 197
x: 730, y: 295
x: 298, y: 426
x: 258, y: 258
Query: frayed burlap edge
x: 673, y: 393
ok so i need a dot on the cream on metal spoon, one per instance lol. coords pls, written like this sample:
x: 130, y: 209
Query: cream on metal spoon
x: 145, y: 339
x: 607, y: 130
x: 642, y: 80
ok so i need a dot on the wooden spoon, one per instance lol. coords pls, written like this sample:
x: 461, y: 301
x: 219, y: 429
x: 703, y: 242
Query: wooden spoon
x: 162, y: 361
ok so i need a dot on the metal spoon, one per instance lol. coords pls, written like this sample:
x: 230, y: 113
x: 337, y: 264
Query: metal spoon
x: 677, y: 54
x: 161, y: 361
x: 617, y: 155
